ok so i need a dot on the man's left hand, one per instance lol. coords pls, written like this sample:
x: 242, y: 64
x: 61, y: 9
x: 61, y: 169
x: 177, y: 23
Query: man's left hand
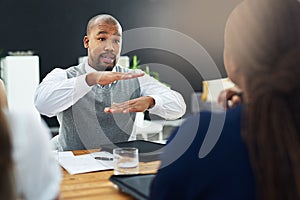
x: 140, y: 104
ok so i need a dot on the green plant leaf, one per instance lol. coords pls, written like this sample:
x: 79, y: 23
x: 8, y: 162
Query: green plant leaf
x: 135, y: 63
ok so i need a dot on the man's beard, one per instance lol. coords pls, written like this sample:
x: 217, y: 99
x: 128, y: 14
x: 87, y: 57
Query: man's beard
x: 104, y: 67
x: 110, y: 68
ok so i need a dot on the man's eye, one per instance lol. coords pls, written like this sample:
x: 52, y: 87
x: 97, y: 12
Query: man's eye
x: 117, y: 41
x: 102, y: 39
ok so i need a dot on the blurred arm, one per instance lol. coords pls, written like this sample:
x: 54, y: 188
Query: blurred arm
x: 230, y: 97
x: 3, y: 98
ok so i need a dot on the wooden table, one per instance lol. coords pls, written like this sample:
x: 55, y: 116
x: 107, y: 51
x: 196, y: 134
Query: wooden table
x: 96, y: 185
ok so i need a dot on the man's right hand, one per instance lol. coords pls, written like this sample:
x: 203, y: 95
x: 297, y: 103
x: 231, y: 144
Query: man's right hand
x: 230, y: 97
x: 106, y: 77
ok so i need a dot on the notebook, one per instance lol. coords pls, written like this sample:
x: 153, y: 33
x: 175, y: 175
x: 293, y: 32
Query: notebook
x: 138, y: 186
x: 148, y: 151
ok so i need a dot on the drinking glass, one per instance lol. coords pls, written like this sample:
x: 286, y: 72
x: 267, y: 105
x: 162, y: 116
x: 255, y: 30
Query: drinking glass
x: 126, y: 160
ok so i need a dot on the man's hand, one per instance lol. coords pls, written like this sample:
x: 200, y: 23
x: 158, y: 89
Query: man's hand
x: 105, y: 78
x: 140, y: 104
x: 230, y: 97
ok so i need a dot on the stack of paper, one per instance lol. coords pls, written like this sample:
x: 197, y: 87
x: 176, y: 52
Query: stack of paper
x: 85, y: 163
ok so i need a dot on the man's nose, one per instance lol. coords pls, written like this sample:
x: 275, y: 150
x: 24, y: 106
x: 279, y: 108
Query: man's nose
x: 109, y: 46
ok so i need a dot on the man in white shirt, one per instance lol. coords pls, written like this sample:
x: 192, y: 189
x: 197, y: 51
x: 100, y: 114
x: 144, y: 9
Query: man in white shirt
x: 96, y: 101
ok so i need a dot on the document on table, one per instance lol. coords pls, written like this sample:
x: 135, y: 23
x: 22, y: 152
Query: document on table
x: 85, y: 163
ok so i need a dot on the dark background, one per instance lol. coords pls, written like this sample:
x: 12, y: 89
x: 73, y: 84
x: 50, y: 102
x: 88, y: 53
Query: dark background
x: 54, y: 30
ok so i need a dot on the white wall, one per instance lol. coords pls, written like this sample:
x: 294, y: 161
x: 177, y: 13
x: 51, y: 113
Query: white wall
x: 21, y: 78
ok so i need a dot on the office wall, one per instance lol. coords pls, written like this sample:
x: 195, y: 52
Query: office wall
x: 54, y: 29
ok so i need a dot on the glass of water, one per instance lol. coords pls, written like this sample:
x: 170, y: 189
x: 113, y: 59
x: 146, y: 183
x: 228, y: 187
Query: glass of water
x: 126, y: 160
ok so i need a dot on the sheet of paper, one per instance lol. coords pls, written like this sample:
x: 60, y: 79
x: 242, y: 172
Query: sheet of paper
x: 86, y: 163
x: 57, y: 154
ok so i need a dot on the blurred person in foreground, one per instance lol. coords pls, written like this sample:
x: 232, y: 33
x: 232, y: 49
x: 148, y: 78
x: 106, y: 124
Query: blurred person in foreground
x: 27, y: 166
x: 257, y: 154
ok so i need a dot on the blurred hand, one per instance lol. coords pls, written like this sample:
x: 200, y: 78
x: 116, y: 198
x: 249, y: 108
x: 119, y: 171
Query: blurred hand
x: 230, y: 97
x: 107, y: 77
x: 140, y: 104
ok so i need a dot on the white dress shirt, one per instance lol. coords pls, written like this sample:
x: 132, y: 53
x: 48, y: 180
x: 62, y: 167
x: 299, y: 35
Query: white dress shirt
x: 56, y: 93
x: 37, y: 173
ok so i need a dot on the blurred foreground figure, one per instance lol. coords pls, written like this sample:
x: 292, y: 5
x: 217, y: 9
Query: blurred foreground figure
x: 257, y: 154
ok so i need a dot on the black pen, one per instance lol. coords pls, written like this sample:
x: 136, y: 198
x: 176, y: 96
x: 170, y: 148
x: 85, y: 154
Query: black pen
x: 103, y: 158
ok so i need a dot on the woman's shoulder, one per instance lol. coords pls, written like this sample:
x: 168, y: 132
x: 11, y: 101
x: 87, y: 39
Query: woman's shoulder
x: 207, y: 152
x: 207, y: 122
x: 33, y: 156
x: 28, y: 124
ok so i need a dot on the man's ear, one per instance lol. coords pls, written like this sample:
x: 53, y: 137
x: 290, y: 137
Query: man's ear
x: 86, y: 42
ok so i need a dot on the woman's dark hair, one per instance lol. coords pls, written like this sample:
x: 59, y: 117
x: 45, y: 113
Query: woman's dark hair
x: 7, y: 186
x: 264, y: 43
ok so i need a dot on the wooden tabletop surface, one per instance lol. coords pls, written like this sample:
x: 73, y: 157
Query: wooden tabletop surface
x: 96, y: 185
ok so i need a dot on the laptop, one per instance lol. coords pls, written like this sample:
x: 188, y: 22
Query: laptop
x: 138, y: 185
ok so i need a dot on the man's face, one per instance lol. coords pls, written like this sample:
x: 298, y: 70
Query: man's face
x: 104, y: 43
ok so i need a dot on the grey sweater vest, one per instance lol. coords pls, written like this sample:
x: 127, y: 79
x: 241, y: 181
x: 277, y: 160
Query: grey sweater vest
x: 85, y: 125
